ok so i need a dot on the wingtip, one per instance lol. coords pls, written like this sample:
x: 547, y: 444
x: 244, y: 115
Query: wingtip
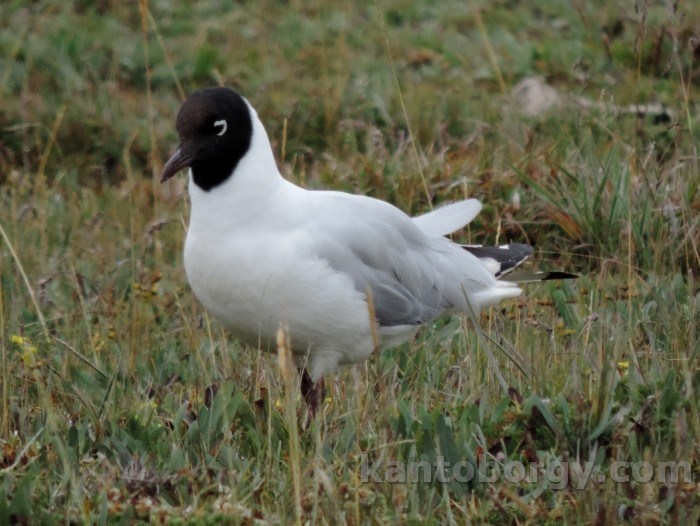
x: 559, y: 275
x: 525, y: 276
x: 501, y: 260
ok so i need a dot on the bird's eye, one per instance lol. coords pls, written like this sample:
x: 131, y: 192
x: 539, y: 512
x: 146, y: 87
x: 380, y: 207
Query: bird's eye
x: 221, y: 124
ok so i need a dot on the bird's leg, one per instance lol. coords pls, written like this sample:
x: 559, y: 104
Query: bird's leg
x: 313, y: 392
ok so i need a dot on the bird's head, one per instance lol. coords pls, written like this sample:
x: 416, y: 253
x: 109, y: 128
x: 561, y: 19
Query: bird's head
x: 215, y: 129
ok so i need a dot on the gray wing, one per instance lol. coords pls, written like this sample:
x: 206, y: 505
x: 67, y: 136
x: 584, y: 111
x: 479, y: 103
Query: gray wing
x: 381, y: 249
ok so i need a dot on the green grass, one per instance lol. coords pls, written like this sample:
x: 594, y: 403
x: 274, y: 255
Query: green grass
x: 108, y: 361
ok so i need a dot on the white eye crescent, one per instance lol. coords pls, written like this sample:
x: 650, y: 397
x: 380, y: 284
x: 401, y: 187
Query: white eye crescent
x: 224, y: 126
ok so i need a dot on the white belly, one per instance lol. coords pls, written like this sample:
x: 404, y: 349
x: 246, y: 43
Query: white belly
x: 253, y: 292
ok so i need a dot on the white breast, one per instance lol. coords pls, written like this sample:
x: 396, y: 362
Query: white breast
x: 253, y: 279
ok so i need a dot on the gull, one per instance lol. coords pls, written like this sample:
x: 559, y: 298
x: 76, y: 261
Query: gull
x: 344, y: 274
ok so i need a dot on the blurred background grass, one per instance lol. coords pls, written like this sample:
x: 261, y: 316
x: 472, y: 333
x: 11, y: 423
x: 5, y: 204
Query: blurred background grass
x: 107, y: 358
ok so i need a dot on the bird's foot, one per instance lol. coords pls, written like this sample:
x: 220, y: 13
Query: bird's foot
x: 313, y: 392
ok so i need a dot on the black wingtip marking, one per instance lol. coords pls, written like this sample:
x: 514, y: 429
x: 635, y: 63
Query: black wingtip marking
x: 507, y: 257
x: 524, y: 276
x: 559, y: 275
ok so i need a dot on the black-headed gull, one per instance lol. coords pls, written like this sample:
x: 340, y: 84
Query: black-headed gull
x: 344, y: 274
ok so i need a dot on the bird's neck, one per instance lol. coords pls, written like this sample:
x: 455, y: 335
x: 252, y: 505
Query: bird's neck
x: 248, y: 191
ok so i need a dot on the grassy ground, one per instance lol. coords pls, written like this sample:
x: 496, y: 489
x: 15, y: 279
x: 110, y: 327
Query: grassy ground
x: 108, y: 362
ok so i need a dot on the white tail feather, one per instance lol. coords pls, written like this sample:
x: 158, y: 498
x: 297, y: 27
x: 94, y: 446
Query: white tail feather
x: 448, y: 218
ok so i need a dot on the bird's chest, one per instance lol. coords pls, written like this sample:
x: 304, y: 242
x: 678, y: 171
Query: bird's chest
x: 257, y: 280
x: 231, y: 277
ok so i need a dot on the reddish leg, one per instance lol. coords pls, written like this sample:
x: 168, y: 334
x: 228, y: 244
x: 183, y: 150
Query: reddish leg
x: 313, y: 393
